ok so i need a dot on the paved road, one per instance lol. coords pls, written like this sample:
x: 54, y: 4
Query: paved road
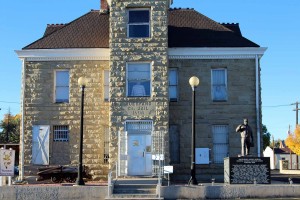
x: 284, y: 178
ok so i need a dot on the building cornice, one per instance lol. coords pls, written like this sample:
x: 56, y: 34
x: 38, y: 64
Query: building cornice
x: 64, y: 54
x: 174, y: 53
x: 216, y: 53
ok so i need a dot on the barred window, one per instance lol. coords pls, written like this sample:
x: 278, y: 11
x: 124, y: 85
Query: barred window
x: 106, y: 145
x: 220, y: 142
x: 61, y: 133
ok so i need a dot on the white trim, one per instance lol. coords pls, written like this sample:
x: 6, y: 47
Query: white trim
x: 22, y: 142
x: 216, y: 53
x: 64, y: 54
x: 174, y: 53
x: 258, y: 123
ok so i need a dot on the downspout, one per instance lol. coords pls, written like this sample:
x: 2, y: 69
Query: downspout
x: 21, y: 175
x: 258, y: 122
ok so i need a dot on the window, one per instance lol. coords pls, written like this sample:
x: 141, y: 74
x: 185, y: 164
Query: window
x: 62, y: 87
x: 220, y: 143
x: 138, y: 79
x: 61, y: 133
x: 174, y: 144
x: 138, y: 23
x: 173, y: 84
x: 106, y: 85
x: 219, y: 84
x: 106, y: 145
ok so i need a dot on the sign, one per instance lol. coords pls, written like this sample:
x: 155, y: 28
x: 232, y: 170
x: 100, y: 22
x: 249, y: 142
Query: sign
x: 168, y: 169
x: 202, y: 156
x: 247, y: 170
x: 140, y: 108
x: 7, y: 162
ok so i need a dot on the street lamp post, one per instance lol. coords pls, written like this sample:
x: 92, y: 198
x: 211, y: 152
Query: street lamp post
x: 194, y: 82
x: 82, y: 83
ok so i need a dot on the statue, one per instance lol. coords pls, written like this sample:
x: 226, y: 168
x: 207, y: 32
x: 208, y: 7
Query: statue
x: 246, y: 137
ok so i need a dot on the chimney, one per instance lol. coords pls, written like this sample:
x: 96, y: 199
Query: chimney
x: 104, y: 5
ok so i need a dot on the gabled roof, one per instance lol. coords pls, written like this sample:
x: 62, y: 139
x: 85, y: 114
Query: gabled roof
x: 89, y: 31
x: 285, y: 150
x: 187, y: 28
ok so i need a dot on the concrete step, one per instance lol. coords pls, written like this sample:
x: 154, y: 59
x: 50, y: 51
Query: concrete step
x: 137, y: 181
x: 134, y: 189
x: 133, y: 196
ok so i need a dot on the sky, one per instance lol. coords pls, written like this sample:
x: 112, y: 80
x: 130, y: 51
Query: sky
x: 274, y: 24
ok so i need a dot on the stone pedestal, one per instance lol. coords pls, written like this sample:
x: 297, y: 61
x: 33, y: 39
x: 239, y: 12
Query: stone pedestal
x: 247, y: 170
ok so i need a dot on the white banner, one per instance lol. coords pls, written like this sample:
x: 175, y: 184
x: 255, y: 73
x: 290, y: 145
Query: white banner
x: 7, y: 162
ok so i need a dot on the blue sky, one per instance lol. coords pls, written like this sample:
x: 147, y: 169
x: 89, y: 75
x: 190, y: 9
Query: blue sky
x: 270, y: 23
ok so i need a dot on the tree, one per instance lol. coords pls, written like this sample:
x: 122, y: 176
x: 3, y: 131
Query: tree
x: 266, y: 137
x: 293, y: 141
x: 10, y: 129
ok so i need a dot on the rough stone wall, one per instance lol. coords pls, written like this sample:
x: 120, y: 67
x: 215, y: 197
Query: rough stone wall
x: 123, y: 50
x: 241, y: 103
x: 40, y: 109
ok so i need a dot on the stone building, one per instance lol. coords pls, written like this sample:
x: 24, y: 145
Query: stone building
x: 138, y: 57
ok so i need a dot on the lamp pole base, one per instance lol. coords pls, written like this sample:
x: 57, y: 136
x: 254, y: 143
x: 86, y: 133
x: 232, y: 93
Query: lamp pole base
x: 193, y: 181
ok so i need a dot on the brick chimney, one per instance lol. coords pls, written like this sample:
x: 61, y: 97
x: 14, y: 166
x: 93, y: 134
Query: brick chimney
x: 104, y: 5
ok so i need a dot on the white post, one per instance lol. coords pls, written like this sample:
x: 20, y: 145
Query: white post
x: 9, y: 181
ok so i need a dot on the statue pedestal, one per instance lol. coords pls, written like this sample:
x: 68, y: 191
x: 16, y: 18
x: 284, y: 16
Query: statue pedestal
x: 247, y: 170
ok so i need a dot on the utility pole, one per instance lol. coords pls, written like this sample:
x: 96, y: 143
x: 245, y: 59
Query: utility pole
x: 297, y: 109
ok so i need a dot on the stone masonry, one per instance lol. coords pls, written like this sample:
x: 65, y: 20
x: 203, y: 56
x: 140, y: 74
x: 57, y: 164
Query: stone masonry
x: 240, y: 104
x: 40, y: 109
x: 123, y: 50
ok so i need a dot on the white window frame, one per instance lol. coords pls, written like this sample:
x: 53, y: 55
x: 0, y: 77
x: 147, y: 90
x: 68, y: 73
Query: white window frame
x: 225, y: 85
x: 138, y: 24
x: 216, y: 143
x: 55, y: 86
x: 176, y: 84
x: 128, y: 93
x: 61, y: 133
x: 106, y: 76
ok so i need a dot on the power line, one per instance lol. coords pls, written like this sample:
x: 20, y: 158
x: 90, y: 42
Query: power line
x: 10, y: 102
x: 276, y: 106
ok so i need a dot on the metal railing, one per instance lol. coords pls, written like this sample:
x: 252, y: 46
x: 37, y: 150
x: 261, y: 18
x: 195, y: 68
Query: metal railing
x: 110, y: 184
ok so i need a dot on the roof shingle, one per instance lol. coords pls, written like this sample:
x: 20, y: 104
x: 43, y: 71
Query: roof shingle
x: 187, y: 28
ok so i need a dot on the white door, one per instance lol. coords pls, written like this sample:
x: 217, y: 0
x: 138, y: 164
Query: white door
x: 136, y: 155
x: 40, y: 144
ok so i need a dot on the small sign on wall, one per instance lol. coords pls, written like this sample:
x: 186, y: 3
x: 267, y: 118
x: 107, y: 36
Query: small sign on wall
x: 168, y: 169
x: 7, y: 162
x: 202, y: 156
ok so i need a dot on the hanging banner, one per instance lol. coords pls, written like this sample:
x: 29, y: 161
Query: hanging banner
x: 7, y: 162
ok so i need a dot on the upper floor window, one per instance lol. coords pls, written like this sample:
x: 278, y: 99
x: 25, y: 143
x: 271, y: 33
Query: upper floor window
x: 173, y: 84
x: 219, y: 84
x: 62, y: 86
x: 138, y: 23
x: 106, y: 85
x: 138, y: 79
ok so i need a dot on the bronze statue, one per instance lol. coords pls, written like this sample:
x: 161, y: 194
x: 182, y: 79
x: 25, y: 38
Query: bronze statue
x: 246, y: 137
